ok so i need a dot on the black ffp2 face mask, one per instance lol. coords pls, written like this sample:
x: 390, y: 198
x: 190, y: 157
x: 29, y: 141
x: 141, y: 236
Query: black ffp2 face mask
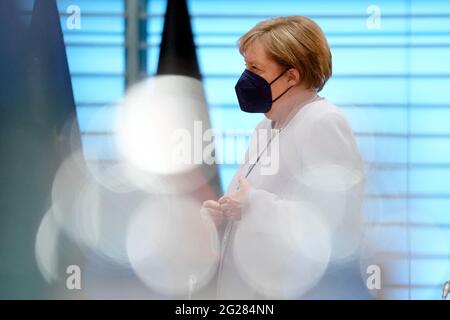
x: 254, y: 94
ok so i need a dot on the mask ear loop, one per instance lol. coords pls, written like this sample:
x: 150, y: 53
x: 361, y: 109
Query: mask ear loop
x: 279, y: 76
x: 282, y: 94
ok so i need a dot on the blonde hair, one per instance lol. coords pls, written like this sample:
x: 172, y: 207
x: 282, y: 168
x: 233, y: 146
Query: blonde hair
x: 297, y: 42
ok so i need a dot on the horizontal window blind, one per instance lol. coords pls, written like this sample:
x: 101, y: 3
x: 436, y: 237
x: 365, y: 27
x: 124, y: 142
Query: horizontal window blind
x: 392, y: 82
x: 96, y: 55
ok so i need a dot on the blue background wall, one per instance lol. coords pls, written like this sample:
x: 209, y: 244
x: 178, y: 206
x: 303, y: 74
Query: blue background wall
x: 393, y: 84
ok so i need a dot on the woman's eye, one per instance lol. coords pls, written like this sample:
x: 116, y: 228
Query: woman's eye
x: 253, y: 68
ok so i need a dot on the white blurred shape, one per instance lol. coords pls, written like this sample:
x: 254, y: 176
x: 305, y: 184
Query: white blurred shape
x: 398, y: 251
x: 387, y: 248
x: 171, y: 247
x: 109, y: 170
x: 367, y: 145
x: 83, y: 212
x: 331, y: 177
x: 46, y: 248
x: 104, y: 216
x: 160, y: 127
x: 70, y: 180
x: 338, y: 192
x: 88, y: 225
x: 113, y: 176
x: 285, y: 253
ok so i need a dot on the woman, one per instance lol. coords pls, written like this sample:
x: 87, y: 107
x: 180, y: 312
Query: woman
x: 316, y: 160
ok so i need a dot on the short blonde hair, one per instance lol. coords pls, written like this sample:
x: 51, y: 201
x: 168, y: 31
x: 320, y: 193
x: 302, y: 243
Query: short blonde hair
x: 297, y: 42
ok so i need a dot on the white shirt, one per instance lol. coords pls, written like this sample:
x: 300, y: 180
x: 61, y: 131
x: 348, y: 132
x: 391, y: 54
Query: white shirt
x: 313, y: 159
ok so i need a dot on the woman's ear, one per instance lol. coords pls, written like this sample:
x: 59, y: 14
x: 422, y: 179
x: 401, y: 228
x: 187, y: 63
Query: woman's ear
x: 293, y: 77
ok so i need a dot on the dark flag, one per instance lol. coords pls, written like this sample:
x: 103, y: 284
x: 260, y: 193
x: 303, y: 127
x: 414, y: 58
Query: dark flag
x: 177, y: 53
x: 178, y: 56
x: 38, y: 128
x: 50, y: 77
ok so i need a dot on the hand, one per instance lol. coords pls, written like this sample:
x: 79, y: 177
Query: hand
x: 231, y: 205
x: 211, y: 209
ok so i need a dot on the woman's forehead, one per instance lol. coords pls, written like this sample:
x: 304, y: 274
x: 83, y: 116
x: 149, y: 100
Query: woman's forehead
x: 255, y: 53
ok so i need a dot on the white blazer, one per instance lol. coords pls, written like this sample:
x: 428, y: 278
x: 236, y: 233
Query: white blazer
x: 313, y: 161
